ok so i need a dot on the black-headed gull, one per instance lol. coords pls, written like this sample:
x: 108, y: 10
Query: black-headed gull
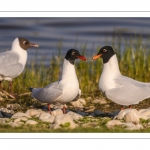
x: 12, y: 62
x: 118, y: 88
x: 64, y: 90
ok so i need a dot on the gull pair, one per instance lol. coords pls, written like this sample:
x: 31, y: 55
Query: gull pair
x: 118, y: 88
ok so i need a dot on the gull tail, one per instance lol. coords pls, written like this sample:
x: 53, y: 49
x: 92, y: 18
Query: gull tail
x: 30, y: 88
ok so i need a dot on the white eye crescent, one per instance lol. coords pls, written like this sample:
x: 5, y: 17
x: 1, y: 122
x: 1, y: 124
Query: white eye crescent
x: 24, y: 42
x: 73, y: 53
x: 104, y: 50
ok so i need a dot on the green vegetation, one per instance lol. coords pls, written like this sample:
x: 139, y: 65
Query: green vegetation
x: 134, y: 62
x: 133, y: 58
x: 96, y: 125
x: 66, y: 125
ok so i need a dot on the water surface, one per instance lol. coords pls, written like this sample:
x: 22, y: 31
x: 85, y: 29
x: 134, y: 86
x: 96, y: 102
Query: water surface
x: 64, y: 33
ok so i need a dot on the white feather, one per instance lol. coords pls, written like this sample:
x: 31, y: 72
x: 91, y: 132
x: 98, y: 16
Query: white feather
x: 121, y: 89
x: 62, y: 91
x: 12, y: 62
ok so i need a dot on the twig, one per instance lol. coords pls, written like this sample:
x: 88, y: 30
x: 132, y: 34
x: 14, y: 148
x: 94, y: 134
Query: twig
x: 24, y: 94
x: 8, y: 94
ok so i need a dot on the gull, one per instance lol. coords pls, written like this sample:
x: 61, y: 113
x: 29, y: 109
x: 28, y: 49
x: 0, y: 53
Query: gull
x: 116, y: 87
x: 12, y: 62
x: 66, y: 89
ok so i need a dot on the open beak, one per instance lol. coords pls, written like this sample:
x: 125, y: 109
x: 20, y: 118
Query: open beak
x: 96, y: 56
x: 82, y: 58
x: 34, y: 45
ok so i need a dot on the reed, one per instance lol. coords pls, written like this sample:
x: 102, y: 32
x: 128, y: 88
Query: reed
x: 133, y: 59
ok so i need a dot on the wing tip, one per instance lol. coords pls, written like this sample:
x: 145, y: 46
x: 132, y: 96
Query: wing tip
x: 30, y: 88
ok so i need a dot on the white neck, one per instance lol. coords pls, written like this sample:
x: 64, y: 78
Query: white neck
x: 16, y: 46
x: 68, y: 71
x: 111, y: 67
x: 21, y: 52
x: 110, y: 72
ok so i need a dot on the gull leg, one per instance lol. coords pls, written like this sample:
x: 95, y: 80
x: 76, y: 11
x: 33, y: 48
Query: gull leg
x: 49, y: 108
x: 122, y: 108
x: 1, y: 88
x: 10, y: 87
x: 10, y: 90
x: 130, y: 106
x: 64, y: 110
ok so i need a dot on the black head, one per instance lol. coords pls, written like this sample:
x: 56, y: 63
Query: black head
x: 72, y: 55
x: 106, y: 53
x: 25, y: 44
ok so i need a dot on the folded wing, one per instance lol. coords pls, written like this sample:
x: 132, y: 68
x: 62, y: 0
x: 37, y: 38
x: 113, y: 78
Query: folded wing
x: 47, y: 95
x: 9, y: 64
x: 128, y: 94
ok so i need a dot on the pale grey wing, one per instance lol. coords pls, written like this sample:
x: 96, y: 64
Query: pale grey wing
x: 128, y: 94
x: 9, y: 64
x: 123, y: 80
x: 52, y: 84
x: 48, y: 95
x: 12, y: 70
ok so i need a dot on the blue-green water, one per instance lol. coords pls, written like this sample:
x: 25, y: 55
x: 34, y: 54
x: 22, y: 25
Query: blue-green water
x: 65, y: 33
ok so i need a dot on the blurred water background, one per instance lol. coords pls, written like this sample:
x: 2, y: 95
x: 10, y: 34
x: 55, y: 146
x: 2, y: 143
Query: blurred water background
x: 57, y: 35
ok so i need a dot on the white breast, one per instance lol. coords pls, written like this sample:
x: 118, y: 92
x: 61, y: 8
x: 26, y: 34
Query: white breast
x: 21, y: 52
x: 69, y: 82
x: 109, y: 73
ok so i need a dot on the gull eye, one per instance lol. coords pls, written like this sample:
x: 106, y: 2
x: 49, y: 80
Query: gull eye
x: 25, y: 42
x: 73, y: 53
x: 104, y: 50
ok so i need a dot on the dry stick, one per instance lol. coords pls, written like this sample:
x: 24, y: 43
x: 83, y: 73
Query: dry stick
x: 24, y: 94
x: 7, y: 94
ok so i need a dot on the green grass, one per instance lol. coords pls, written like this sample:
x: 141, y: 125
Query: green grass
x: 45, y: 128
x: 133, y: 59
x: 134, y: 62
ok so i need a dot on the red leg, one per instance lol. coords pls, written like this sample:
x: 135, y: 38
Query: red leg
x: 10, y: 90
x: 122, y: 108
x: 1, y: 88
x: 130, y: 106
x: 49, y: 108
x: 64, y: 110
x: 10, y: 87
